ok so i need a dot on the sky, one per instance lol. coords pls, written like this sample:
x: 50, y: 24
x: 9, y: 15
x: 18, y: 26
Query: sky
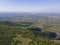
x: 30, y: 6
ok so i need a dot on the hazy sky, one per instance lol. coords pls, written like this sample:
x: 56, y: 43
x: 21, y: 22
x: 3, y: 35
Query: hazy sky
x: 29, y: 5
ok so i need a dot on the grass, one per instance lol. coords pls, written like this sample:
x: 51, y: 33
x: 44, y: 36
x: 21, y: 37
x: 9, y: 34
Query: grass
x: 25, y: 41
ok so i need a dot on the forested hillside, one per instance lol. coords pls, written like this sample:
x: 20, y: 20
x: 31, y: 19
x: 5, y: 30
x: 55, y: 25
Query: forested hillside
x: 14, y: 33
